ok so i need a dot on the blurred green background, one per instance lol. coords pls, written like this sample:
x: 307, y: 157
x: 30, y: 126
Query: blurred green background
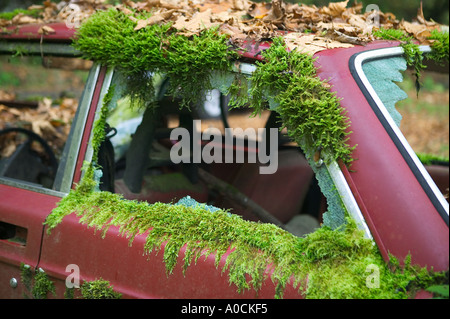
x: 406, y: 9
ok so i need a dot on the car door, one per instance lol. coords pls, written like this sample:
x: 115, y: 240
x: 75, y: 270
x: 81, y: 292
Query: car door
x: 44, y: 103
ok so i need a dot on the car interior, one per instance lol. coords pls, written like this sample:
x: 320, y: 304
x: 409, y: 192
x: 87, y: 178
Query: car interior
x: 146, y: 172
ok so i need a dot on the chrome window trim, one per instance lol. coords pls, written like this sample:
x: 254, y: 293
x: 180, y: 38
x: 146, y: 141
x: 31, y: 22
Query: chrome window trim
x: 105, y: 87
x: 358, y: 62
x: 30, y: 187
x: 347, y: 197
x: 76, y: 132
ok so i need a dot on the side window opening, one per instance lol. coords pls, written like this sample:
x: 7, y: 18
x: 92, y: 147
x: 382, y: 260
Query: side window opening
x: 38, y: 100
x: 138, y: 149
x: 426, y: 123
x: 421, y: 114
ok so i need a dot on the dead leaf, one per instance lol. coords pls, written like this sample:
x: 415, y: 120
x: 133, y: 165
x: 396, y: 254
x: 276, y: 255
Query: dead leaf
x: 276, y: 13
x: 241, y: 5
x: 140, y: 24
x: 198, y: 22
x: 344, y: 38
x: 23, y: 19
x: 250, y: 20
x: 311, y: 44
x: 421, y: 17
x: 8, y: 149
x: 46, y: 30
x: 216, y: 7
x: 420, y: 31
x: 125, y: 10
x: 335, y: 9
x: 360, y: 23
x: 342, y: 27
x: 36, y: 7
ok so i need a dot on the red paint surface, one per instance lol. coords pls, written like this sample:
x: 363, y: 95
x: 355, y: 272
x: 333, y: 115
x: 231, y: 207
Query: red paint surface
x: 131, y: 271
x: 31, y: 32
x: 25, y: 209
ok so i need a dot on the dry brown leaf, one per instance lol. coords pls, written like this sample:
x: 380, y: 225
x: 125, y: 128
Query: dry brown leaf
x: 360, y: 23
x: 421, y: 18
x: 335, y: 9
x: 46, y: 30
x: 15, y: 112
x: 140, y: 24
x: 216, y: 7
x: 344, y: 38
x: 241, y: 5
x: 311, y: 44
x: 49, y: 4
x: 36, y: 7
x: 6, y: 96
x: 420, y: 31
x: 23, y: 19
x: 125, y: 10
x: 276, y: 13
x: 198, y: 22
x: 342, y: 27
x: 8, y: 148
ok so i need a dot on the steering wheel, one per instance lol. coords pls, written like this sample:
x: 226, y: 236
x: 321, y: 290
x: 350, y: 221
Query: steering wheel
x: 24, y: 164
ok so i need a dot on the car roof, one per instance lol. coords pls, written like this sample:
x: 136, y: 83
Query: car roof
x: 56, y: 32
x: 304, y: 33
x: 59, y: 32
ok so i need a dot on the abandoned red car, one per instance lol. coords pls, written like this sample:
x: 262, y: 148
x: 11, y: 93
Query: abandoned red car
x: 174, y: 156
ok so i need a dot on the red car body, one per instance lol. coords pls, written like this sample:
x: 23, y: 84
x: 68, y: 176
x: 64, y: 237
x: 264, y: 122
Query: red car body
x: 398, y: 211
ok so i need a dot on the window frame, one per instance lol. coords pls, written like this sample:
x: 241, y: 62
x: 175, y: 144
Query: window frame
x: 336, y: 174
x: 356, y: 68
x: 67, y: 165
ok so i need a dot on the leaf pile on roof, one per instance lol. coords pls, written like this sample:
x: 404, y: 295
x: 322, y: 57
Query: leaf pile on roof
x: 305, y: 27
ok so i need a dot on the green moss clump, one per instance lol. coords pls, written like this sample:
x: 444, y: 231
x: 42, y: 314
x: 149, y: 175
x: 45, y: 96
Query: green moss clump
x: 35, y: 13
x: 37, y: 285
x: 413, y: 55
x: 308, y: 109
x: 26, y: 276
x: 439, y: 291
x: 42, y: 285
x: 109, y: 38
x: 430, y: 159
x: 439, y: 46
x: 99, y: 289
